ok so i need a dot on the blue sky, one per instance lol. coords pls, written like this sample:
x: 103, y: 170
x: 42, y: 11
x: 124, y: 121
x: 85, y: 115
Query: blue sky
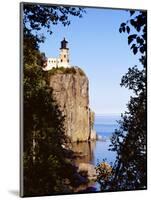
x: 97, y: 47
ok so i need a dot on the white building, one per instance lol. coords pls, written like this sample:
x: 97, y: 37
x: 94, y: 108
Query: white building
x: 62, y: 61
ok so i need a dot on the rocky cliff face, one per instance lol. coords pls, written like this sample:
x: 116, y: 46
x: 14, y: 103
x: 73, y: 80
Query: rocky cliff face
x: 71, y: 91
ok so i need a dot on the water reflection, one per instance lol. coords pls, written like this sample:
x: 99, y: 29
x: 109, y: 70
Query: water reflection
x: 84, y: 152
x: 87, y: 156
x: 93, y: 152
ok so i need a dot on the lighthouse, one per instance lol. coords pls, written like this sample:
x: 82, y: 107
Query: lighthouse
x: 64, y: 54
x: 62, y: 61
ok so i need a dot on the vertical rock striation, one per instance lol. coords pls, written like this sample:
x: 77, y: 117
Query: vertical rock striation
x: 71, y: 91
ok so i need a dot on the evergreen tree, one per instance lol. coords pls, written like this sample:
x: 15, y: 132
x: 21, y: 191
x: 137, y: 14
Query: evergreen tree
x: 46, y: 158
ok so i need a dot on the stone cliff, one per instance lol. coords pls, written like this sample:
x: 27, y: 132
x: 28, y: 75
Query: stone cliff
x: 71, y: 91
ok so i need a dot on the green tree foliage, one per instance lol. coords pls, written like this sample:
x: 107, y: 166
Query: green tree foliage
x: 129, y: 141
x: 46, y: 158
x: 42, y: 136
x: 41, y: 16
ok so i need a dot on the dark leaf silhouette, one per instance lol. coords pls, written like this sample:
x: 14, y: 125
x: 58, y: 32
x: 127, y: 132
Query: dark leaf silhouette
x: 123, y: 24
x: 133, y: 45
x: 131, y: 38
x: 142, y: 49
x: 123, y: 28
x: 135, y: 50
x: 132, y: 22
x: 132, y: 12
x: 128, y: 29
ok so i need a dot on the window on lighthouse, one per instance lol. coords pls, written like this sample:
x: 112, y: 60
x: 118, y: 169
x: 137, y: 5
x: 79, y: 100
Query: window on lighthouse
x: 64, y: 56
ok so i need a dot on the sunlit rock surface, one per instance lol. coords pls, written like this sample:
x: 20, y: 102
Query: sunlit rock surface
x: 71, y: 91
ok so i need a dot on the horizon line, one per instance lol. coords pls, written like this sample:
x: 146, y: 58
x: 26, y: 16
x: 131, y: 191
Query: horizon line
x: 107, y: 114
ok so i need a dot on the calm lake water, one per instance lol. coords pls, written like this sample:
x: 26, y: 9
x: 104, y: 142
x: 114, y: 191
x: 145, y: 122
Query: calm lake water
x: 104, y: 126
x: 95, y: 151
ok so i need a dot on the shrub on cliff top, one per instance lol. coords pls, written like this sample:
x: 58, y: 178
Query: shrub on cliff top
x: 63, y: 70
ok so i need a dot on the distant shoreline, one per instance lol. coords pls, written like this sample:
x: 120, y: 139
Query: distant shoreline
x: 108, y: 114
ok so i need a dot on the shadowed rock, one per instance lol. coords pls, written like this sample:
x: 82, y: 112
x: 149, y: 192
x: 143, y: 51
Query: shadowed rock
x: 89, y: 169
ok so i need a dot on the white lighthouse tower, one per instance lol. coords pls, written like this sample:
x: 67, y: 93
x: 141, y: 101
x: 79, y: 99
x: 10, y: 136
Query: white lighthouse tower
x: 64, y: 55
x: 62, y: 61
